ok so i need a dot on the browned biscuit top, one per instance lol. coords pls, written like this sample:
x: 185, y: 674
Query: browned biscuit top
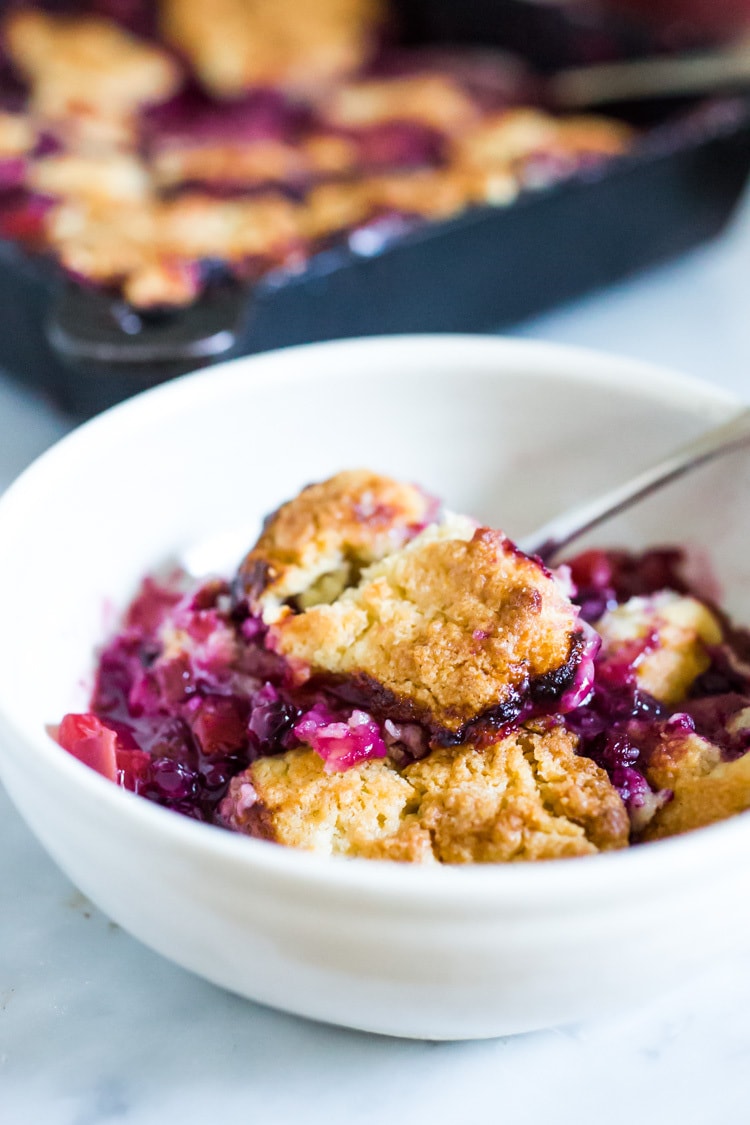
x: 17, y: 135
x: 75, y: 62
x: 674, y: 632
x: 456, y: 627
x: 432, y: 100
x: 316, y: 544
x: 527, y: 796
x: 509, y: 138
x: 149, y: 246
x: 236, y: 44
x: 704, y: 785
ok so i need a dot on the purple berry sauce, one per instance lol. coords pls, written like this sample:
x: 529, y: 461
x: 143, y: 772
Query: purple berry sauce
x: 187, y: 696
x: 620, y: 725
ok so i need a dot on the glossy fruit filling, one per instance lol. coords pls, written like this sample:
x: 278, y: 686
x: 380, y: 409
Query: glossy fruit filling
x: 187, y: 695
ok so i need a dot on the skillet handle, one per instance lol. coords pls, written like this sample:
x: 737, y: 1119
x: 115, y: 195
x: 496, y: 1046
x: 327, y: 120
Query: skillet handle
x: 95, y: 332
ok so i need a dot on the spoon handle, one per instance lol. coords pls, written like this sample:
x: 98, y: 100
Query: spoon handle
x: 588, y: 86
x: 563, y: 529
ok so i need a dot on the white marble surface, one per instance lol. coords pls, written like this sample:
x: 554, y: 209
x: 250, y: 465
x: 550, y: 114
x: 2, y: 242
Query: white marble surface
x: 95, y: 1028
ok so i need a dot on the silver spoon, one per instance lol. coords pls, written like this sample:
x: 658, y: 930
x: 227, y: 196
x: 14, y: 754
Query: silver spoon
x: 547, y: 540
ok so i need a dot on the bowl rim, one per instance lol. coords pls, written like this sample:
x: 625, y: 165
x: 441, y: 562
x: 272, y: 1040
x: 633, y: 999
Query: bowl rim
x: 483, y: 887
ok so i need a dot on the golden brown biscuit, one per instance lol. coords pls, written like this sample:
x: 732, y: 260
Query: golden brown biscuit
x: 429, y: 193
x: 681, y: 758
x: 99, y: 242
x: 591, y: 135
x: 316, y: 544
x: 504, y: 139
x: 116, y: 177
x: 705, y: 787
x: 434, y: 100
x: 78, y: 62
x: 528, y: 796
x: 668, y: 634
x: 524, y: 797
x: 236, y: 44
x: 335, y: 207
x: 507, y: 139
x: 17, y: 135
x: 438, y: 193
x: 458, y: 627
x: 330, y: 153
x: 242, y: 163
x: 151, y: 248
x: 292, y: 799
x: 198, y: 226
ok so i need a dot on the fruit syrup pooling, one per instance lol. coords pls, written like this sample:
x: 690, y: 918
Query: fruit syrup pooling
x: 187, y: 696
x: 192, y: 697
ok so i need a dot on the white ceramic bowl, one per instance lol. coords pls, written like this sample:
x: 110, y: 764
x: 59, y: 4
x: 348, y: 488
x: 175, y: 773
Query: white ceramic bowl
x: 508, y: 431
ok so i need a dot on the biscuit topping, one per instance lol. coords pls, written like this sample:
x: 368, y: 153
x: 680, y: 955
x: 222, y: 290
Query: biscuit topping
x: 234, y: 44
x: 315, y: 545
x: 456, y: 629
x: 525, y: 796
x: 80, y: 63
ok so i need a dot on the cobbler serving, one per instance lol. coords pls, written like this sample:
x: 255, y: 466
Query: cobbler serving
x: 386, y: 679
